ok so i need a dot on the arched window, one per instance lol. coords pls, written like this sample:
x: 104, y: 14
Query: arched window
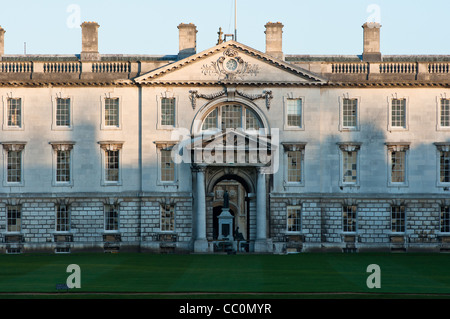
x: 232, y: 116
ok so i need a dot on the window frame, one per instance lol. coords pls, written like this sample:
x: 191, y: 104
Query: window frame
x: 439, y: 125
x: 392, y: 127
x: 440, y: 148
x: 286, y: 126
x: 55, y: 126
x: 6, y: 126
x: 103, y: 125
x: 243, y: 118
x: 171, y: 218
x: 349, y: 147
x: 398, y: 147
x: 165, y: 146
x: 404, y: 219
x: 446, y: 219
x: 298, y: 219
x: 19, y: 208
x: 13, y: 147
x: 342, y: 127
x: 354, y: 218
x: 68, y: 219
x: 62, y: 146
x: 106, y: 218
x: 159, y: 101
x: 294, y: 147
x: 111, y: 146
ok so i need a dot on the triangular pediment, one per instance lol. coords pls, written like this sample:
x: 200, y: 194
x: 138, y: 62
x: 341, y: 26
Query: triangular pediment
x: 229, y: 62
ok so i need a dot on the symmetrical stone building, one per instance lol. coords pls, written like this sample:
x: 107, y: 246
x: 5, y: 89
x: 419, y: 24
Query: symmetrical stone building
x: 137, y: 153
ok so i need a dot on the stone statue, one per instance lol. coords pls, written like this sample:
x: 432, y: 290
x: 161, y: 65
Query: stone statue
x: 226, y: 200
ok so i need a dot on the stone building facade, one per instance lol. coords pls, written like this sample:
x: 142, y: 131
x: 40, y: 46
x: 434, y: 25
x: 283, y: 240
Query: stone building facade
x: 137, y: 153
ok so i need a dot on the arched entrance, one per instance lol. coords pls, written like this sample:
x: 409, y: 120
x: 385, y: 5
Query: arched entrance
x: 238, y: 208
x: 239, y: 182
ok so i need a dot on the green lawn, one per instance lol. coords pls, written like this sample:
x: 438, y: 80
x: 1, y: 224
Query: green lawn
x: 299, y: 273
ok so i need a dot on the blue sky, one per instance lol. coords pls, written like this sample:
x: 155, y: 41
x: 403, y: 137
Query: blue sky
x: 327, y: 27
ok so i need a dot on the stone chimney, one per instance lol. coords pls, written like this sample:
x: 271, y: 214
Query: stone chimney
x: 2, y: 42
x: 187, y: 40
x: 274, y: 39
x: 89, y: 41
x: 371, y: 51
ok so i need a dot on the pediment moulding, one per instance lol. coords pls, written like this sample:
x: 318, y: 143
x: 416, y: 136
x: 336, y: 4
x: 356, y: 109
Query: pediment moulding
x: 62, y: 146
x: 349, y: 146
x: 14, y: 146
x: 398, y: 147
x: 111, y: 145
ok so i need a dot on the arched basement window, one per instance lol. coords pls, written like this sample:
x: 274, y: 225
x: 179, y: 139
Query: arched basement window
x: 231, y: 116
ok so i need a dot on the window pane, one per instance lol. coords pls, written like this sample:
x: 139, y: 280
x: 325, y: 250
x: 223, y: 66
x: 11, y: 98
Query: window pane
x: 252, y: 121
x: 63, y: 112
x: 62, y: 218
x: 445, y: 112
x: 14, y: 112
x: 14, y: 219
x: 445, y: 167
x: 398, y: 166
x: 399, y: 112
x: 210, y: 121
x: 231, y: 117
x: 294, y: 112
x: 349, y: 218
x: 350, y: 167
x: 168, y: 111
x: 63, y: 166
x: 112, y: 112
x: 167, y: 166
x: 14, y: 166
x: 349, y: 112
x: 398, y: 218
x: 167, y: 218
x: 112, y: 166
x: 445, y: 219
x: 294, y: 166
x: 111, y: 217
x: 293, y: 219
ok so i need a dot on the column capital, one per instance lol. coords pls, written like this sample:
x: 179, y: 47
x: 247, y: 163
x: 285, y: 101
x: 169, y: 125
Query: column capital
x: 198, y: 168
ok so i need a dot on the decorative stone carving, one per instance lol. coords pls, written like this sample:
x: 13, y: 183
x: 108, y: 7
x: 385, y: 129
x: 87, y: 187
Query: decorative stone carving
x: 397, y: 147
x: 230, y: 67
x: 111, y: 146
x: 349, y: 146
x: 62, y: 146
x: 14, y: 146
x: 194, y: 95
x: 267, y: 95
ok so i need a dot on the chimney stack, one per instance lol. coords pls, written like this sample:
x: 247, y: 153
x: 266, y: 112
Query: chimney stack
x: 187, y: 40
x: 89, y: 41
x: 2, y: 42
x: 274, y: 39
x: 371, y: 51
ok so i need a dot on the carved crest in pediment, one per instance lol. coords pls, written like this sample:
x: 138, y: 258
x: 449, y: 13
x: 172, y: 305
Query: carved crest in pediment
x: 230, y: 66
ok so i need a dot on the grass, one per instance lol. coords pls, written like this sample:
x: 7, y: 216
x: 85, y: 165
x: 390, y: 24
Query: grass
x: 199, y: 276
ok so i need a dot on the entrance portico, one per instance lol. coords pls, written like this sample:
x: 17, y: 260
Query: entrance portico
x: 249, y: 209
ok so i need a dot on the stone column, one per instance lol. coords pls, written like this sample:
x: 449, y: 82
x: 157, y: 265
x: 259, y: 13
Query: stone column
x: 261, y: 197
x: 200, y: 243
